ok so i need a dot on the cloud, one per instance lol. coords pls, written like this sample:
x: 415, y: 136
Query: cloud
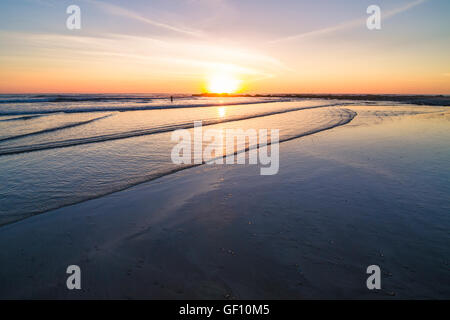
x: 156, y: 55
x: 43, y: 3
x: 404, y: 8
x: 349, y: 24
x: 120, y: 11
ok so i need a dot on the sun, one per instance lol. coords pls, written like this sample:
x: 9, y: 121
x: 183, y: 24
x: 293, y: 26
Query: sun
x: 223, y: 83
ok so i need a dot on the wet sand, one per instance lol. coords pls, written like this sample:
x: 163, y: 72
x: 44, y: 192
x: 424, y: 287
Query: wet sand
x: 375, y: 191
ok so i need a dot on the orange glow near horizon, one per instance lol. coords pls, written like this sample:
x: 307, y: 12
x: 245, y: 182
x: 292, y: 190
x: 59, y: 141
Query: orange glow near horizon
x: 66, y: 72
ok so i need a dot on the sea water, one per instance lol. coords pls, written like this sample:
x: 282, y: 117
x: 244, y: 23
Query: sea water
x: 57, y: 150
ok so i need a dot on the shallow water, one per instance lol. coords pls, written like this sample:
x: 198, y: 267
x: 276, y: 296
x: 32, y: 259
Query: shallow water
x: 374, y: 191
x: 50, y: 158
x: 15, y: 105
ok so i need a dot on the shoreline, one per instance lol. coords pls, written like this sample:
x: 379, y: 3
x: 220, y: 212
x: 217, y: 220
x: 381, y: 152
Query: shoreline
x: 222, y: 232
x: 419, y: 99
x: 350, y: 116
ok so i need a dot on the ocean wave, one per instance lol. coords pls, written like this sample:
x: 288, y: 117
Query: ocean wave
x: 133, y: 108
x: 66, y: 126
x: 341, y: 117
x: 21, y: 118
x: 135, y: 133
x: 77, y: 98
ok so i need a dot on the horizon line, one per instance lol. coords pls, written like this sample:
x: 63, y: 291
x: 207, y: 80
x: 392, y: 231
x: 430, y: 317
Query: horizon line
x: 230, y: 94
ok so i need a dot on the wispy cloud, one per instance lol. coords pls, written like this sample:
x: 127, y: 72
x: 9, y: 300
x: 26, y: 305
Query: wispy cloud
x: 123, y: 12
x: 404, y: 8
x: 170, y: 55
x: 349, y: 24
x: 43, y: 3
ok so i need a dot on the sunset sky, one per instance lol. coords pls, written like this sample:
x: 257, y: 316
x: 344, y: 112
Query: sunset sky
x: 183, y: 46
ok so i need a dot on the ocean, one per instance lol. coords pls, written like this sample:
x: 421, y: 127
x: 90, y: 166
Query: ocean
x: 58, y: 150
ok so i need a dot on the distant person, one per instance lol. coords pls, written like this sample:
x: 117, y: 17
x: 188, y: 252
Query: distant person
x: 171, y: 98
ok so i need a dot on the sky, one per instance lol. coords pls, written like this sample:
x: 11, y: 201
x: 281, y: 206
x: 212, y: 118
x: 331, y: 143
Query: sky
x: 257, y: 46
